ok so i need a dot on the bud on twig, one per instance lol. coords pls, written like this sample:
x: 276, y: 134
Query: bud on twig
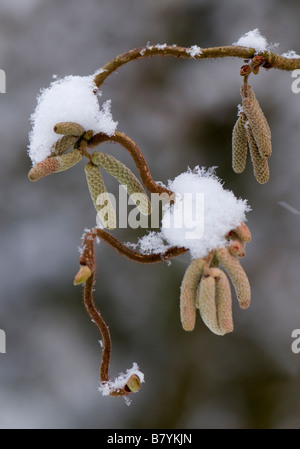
x: 83, y: 274
x: 100, y: 196
x: 126, y: 178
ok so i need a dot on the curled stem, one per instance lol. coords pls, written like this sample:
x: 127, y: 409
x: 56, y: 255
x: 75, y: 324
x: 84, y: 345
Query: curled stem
x: 272, y: 60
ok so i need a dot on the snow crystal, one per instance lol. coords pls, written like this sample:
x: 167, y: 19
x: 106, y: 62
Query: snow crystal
x: 290, y: 55
x: 160, y: 46
x: 194, y: 50
x: 254, y: 39
x: 108, y: 387
x: 71, y: 99
x: 202, y: 214
x: 151, y: 243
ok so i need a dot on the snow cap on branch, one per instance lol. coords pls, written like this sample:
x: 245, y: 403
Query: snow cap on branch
x: 71, y: 99
x: 202, y: 214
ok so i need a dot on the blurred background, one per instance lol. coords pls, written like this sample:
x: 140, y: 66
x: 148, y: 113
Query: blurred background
x: 181, y: 113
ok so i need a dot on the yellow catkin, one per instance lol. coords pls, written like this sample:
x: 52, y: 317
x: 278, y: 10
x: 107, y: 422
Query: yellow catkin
x: 69, y: 129
x: 223, y: 301
x: 100, y: 196
x: 188, y: 292
x: 126, y: 178
x: 54, y: 164
x: 206, y: 303
x: 260, y: 164
x: 257, y: 122
x: 239, y: 145
x: 237, y: 275
x: 63, y: 144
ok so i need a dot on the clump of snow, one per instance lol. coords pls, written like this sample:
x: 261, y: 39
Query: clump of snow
x: 202, y: 214
x: 106, y: 388
x: 194, y: 50
x: 254, y: 39
x: 291, y: 54
x: 71, y: 99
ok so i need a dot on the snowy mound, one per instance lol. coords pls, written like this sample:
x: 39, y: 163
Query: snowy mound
x: 71, y: 99
x: 202, y: 214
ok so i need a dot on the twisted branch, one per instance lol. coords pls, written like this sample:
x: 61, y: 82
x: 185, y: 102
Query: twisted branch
x: 272, y: 60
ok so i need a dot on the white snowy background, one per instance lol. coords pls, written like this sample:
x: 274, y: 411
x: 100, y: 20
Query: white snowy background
x: 181, y: 113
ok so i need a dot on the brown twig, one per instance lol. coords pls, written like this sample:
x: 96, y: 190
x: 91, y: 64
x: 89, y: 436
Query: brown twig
x: 97, y: 318
x: 91, y: 236
x: 272, y: 60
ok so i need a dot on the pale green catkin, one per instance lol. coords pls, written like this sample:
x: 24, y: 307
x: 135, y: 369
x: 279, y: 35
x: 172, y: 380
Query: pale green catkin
x: 257, y: 122
x: 69, y: 129
x: 126, y: 178
x: 237, y: 275
x: 54, y: 164
x: 239, y: 145
x: 260, y: 164
x: 188, y: 292
x: 62, y: 145
x: 223, y: 300
x: 100, y: 196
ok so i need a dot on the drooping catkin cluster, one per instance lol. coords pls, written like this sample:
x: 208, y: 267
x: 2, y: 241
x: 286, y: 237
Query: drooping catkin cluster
x: 251, y: 130
x: 206, y: 287
x: 57, y: 161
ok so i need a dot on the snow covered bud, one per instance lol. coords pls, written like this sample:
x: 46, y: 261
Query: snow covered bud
x: 237, y: 275
x: 69, y: 129
x: 239, y: 145
x: 83, y: 274
x: 54, y: 164
x: 126, y: 178
x: 100, y: 196
x: 188, y: 293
